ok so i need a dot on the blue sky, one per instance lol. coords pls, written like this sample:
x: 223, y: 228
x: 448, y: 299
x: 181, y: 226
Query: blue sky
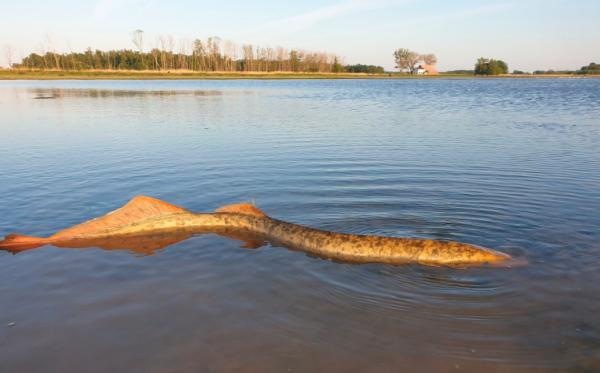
x: 528, y: 34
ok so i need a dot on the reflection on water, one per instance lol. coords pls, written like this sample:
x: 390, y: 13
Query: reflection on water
x: 58, y: 93
x: 507, y: 164
x: 148, y: 244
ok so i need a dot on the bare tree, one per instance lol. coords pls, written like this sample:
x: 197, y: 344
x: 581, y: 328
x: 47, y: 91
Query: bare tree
x: 429, y: 59
x: 199, y: 53
x: 9, y: 53
x: 43, y: 53
x: 170, y: 47
x: 52, y: 49
x: 68, y: 60
x: 230, y: 54
x: 163, y: 47
x: 137, y: 37
x: 181, y: 55
x: 406, y: 59
x: 248, y: 52
x: 214, y: 49
x: 21, y: 56
x: 281, y: 53
x: 155, y: 52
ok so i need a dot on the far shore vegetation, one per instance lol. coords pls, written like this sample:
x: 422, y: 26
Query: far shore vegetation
x: 28, y: 74
x: 215, y: 58
x: 490, y: 66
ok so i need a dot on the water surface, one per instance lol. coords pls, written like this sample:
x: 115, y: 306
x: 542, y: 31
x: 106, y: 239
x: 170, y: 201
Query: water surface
x: 509, y: 164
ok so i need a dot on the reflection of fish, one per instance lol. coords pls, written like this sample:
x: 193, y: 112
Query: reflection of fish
x: 131, y: 225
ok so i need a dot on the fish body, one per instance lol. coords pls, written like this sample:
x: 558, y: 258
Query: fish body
x: 146, y: 216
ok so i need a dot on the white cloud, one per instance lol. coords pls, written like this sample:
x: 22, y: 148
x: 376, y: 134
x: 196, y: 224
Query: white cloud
x: 458, y: 15
x: 306, y: 20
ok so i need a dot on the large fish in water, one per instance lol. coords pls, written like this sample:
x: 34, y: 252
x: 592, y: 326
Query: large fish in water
x: 146, y: 223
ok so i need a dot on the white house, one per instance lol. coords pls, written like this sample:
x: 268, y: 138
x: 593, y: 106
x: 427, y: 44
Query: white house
x: 426, y: 69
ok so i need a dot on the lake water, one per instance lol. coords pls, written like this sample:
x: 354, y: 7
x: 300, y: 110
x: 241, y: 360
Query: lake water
x: 510, y: 164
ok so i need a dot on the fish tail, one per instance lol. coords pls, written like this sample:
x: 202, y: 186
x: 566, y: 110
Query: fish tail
x: 19, y: 242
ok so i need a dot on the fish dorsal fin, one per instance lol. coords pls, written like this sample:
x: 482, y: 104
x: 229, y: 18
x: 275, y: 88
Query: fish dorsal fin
x: 137, y: 209
x: 242, y: 208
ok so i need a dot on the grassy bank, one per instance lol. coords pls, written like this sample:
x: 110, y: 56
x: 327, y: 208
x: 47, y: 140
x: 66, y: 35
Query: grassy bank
x: 179, y: 74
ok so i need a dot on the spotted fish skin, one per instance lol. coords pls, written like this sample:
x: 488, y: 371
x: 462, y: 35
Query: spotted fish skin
x: 339, y: 246
x: 145, y: 215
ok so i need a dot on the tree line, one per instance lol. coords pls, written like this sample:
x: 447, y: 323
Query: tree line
x: 591, y: 69
x: 487, y: 66
x: 213, y: 54
x: 367, y: 69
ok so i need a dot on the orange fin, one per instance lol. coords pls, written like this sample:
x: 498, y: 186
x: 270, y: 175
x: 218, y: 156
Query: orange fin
x: 242, y: 208
x: 137, y: 209
x: 18, y: 242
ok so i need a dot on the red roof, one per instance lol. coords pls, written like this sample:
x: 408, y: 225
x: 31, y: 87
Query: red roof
x: 431, y: 70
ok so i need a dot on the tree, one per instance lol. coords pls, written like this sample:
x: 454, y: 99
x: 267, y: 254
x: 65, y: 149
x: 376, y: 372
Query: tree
x: 481, y: 66
x: 500, y: 68
x: 429, y: 59
x: 487, y: 66
x: 406, y: 59
x: 592, y: 68
x: 9, y: 53
x: 248, y: 52
x: 294, y: 61
x: 336, y: 67
x: 52, y: 51
x: 199, y: 53
x: 137, y: 37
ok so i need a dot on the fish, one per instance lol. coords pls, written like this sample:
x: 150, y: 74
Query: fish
x: 147, y: 224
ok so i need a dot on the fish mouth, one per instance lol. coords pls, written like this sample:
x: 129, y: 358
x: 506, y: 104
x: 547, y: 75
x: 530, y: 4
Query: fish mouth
x: 506, y: 263
x: 504, y: 260
x: 515, y: 259
x: 500, y: 260
x: 487, y: 258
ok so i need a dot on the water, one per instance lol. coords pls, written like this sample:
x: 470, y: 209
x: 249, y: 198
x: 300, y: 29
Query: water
x: 509, y: 164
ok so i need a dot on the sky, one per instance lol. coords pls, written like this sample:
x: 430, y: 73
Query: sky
x: 527, y: 34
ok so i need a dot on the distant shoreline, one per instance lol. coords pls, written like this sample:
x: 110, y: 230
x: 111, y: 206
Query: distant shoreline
x: 6, y: 74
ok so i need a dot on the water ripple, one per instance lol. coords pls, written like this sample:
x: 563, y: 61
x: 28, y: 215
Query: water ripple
x: 509, y: 164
